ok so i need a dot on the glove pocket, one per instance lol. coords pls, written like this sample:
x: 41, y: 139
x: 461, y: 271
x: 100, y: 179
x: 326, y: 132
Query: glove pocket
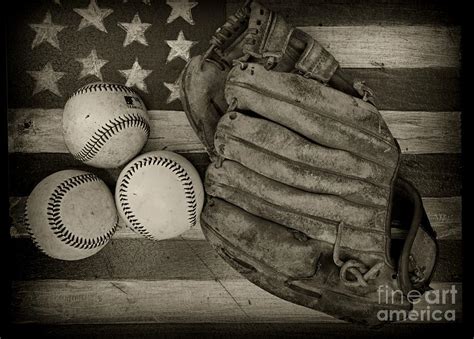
x: 262, y: 240
x: 301, y: 271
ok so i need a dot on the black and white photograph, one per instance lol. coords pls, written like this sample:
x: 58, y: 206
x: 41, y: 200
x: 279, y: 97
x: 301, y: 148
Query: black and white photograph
x: 235, y: 168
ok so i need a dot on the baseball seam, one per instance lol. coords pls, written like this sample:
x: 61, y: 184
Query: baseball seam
x: 57, y: 224
x: 110, y: 128
x: 176, y: 169
x: 26, y: 222
x: 99, y: 87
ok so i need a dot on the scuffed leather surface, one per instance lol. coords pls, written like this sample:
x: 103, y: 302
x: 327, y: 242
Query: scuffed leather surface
x: 300, y: 159
x: 299, y: 170
x: 202, y: 96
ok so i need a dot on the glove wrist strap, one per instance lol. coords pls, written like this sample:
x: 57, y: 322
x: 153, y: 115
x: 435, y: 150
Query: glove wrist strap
x: 419, y: 254
x: 315, y: 62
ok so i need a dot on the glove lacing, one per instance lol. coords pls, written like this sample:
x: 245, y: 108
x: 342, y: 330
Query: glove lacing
x: 233, y: 25
x: 364, y: 91
x: 361, y: 272
x: 217, y: 159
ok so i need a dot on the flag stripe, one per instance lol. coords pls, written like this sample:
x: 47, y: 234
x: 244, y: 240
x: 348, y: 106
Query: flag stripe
x: 366, y: 12
x: 429, y: 90
x: 412, y: 89
x: 173, y: 301
x: 38, y: 130
x: 388, y: 47
x: 391, y: 46
x: 168, y: 259
x: 444, y: 215
x: 434, y: 175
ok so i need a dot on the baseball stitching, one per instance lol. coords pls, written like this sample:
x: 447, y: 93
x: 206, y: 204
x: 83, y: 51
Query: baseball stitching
x: 112, y: 127
x: 176, y: 169
x: 56, y: 222
x: 99, y: 87
x: 26, y: 222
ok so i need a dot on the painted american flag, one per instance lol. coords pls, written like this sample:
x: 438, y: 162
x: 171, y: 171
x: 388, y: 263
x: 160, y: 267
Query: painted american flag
x: 56, y: 46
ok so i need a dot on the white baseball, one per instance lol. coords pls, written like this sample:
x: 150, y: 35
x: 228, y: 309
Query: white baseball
x: 159, y: 195
x: 71, y: 215
x: 105, y: 125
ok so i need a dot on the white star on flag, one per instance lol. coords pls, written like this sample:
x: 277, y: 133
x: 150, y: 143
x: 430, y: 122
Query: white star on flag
x: 46, y: 79
x: 181, y: 8
x: 93, y: 16
x: 136, y: 76
x: 174, y: 90
x: 46, y: 31
x: 91, y: 65
x: 180, y: 48
x: 135, y: 31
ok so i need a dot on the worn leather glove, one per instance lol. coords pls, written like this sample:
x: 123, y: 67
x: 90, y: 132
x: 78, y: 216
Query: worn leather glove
x: 303, y: 190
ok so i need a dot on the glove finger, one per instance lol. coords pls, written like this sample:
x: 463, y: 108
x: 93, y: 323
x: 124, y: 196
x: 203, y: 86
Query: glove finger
x: 318, y: 206
x: 278, y: 153
x: 239, y: 186
x: 322, y: 114
x: 257, y: 238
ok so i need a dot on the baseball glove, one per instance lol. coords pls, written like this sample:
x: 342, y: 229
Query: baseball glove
x: 303, y: 191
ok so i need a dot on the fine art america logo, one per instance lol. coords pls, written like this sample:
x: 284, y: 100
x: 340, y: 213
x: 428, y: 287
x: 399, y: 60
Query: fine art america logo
x: 435, y: 305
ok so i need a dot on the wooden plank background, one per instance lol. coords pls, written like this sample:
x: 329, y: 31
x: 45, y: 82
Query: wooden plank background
x: 408, y: 52
x: 418, y: 132
x: 68, y: 301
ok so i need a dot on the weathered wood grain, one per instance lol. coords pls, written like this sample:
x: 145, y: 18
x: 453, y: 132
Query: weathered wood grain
x: 125, y: 259
x: 412, y: 89
x: 360, y: 12
x: 169, y: 301
x: 450, y: 261
x: 253, y: 299
x: 164, y: 260
x: 407, y: 51
x: 425, y: 132
x: 444, y: 215
x: 28, y: 127
x: 390, y: 46
x: 40, y: 131
x: 435, y: 175
x: 27, y: 170
x: 396, y: 89
x: 420, y: 48
x: 171, y: 130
